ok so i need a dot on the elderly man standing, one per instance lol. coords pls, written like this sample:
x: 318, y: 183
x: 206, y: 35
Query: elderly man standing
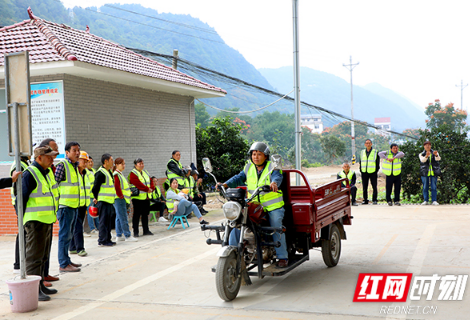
x: 369, y: 165
x: 39, y: 198
x: 71, y: 190
x: 391, y: 167
x: 351, y: 176
x: 429, y: 169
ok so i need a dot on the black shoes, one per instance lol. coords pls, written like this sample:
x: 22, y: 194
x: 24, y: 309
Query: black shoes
x: 375, y: 202
x: 365, y: 202
x: 148, y: 233
x: 42, y: 296
x: 390, y: 203
x: 46, y: 290
x: 397, y: 204
x: 203, y: 222
x: 354, y: 204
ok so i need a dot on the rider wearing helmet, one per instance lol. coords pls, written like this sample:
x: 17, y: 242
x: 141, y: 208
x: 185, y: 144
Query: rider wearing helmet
x: 255, y: 174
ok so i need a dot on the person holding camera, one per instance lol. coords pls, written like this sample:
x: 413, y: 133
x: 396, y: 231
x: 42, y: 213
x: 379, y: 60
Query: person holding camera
x: 429, y: 169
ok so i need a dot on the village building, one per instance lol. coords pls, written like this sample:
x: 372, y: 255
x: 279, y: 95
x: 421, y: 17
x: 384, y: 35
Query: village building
x: 109, y: 99
x: 313, y: 122
x: 383, y: 124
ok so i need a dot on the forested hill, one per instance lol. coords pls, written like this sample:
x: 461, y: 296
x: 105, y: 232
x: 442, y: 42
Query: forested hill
x: 332, y: 92
x: 156, y: 32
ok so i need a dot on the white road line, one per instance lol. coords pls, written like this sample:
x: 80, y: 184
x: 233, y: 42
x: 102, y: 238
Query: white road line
x: 134, y: 286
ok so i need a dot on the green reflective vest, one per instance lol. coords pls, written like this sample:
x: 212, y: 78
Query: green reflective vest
x: 144, y: 177
x: 368, y: 164
x: 71, y: 189
x: 170, y: 174
x: 91, y: 179
x: 41, y: 205
x: 55, y: 188
x: 270, y: 200
x: 126, y: 190
x: 107, y: 193
x: 343, y: 175
x: 24, y: 166
x: 156, y: 194
x: 391, y: 168
x: 85, y: 200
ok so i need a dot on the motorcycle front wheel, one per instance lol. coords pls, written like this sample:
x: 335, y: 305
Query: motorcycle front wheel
x: 226, y: 278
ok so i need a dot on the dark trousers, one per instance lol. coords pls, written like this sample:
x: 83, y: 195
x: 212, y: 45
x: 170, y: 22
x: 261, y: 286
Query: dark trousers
x: 365, y: 185
x: 38, y: 247
x: 16, y: 265
x: 77, y: 242
x: 46, y: 265
x: 203, y: 199
x: 141, y: 209
x: 158, y: 206
x: 353, y: 193
x: 391, y: 181
x: 106, y: 214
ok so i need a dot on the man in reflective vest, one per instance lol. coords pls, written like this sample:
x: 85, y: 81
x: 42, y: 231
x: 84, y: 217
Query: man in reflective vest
x: 351, y: 176
x: 71, y: 192
x: 255, y: 174
x: 174, y: 169
x: 391, y: 167
x: 39, y: 205
x: 104, y: 195
x: 429, y: 169
x: 369, y: 164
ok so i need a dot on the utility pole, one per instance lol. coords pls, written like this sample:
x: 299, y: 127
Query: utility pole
x: 350, y: 67
x: 461, y: 93
x: 298, y: 131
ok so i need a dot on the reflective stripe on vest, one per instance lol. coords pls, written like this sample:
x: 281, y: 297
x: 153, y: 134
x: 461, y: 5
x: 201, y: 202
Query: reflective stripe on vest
x: 126, y: 190
x: 55, y: 188
x: 170, y: 174
x: 192, y: 186
x: 391, y: 168
x: 342, y: 174
x: 270, y: 200
x: 24, y: 166
x: 71, y: 189
x: 41, y: 205
x: 107, y: 192
x: 85, y: 200
x: 91, y: 179
x: 368, y: 164
x: 144, y: 178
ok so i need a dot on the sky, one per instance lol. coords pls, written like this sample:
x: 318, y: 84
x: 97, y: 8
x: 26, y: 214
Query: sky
x: 416, y: 48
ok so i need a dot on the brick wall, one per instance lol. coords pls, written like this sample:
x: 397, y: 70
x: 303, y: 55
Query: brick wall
x: 125, y: 121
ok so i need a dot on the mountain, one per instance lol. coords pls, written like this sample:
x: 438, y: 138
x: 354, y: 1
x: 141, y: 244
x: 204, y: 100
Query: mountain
x: 333, y: 93
x: 135, y: 26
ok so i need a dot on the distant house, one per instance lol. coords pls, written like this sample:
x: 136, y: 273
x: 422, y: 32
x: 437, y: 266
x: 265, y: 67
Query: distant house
x: 313, y: 122
x: 383, y: 124
x: 109, y: 99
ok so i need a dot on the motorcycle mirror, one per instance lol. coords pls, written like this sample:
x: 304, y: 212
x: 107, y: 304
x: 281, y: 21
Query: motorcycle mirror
x: 276, y: 159
x: 206, y: 163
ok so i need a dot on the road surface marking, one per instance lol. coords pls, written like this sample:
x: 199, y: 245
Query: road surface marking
x: 385, y: 249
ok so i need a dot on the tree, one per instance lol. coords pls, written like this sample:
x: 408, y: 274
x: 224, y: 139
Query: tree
x: 415, y: 133
x: 202, y: 116
x: 223, y: 144
x: 333, y: 147
x: 447, y: 115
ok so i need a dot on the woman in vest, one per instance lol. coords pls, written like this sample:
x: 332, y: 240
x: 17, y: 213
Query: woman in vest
x: 430, y: 169
x: 157, y: 201
x: 180, y: 206
x: 255, y: 174
x: 174, y: 169
x: 140, y: 179
x: 122, y: 202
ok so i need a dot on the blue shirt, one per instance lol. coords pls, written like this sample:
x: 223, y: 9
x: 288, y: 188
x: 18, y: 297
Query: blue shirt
x: 240, y: 179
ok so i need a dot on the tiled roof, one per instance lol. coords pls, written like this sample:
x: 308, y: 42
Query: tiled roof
x: 47, y: 42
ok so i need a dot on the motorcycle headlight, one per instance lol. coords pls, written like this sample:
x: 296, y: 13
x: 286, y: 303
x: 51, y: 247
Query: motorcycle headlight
x: 232, y: 210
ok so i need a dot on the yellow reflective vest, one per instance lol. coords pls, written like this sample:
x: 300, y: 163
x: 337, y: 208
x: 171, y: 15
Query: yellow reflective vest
x: 24, y: 166
x: 391, y: 168
x: 368, y: 164
x: 270, y: 200
x: 107, y: 193
x: 343, y: 175
x: 170, y: 203
x: 71, y: 189
x: 144, y: 177
x: 126, y: 190
x: 41, y: 205
x: 170, y: 174
x: 91, y: 179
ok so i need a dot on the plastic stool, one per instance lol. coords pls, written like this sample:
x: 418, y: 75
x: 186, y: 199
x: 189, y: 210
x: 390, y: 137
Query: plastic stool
x: 182, y: 219
x: 154, y: 216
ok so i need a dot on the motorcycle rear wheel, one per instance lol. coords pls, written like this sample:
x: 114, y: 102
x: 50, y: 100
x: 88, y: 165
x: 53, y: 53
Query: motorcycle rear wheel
x: 226, y: 280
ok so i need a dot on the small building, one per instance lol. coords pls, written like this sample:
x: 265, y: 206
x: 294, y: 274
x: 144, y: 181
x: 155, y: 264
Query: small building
x: 109, y: 99
x: 313, y: 122
x: 383, y: 124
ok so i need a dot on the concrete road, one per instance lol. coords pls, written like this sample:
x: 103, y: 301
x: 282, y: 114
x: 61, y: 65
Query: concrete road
x: 167, y: 276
